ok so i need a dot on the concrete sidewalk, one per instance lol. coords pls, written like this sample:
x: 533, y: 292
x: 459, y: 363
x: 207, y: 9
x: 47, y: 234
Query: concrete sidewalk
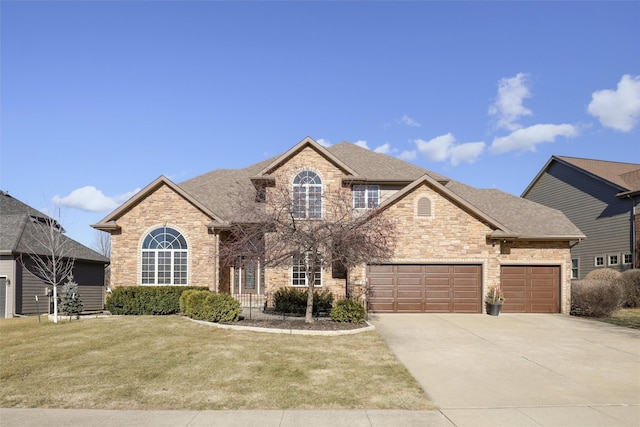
x: 274, y: 418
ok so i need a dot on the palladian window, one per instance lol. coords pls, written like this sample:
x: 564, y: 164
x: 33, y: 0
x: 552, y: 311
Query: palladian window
x: 307, y: 195
x: 164, y: 258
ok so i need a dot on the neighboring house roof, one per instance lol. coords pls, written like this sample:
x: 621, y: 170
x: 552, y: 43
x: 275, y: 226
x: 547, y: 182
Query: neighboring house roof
x: 19, y: 229
x: 221, y: 191
x: 625, y: 177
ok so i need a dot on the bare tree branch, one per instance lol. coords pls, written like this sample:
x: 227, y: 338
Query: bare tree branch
x: 273, y: 229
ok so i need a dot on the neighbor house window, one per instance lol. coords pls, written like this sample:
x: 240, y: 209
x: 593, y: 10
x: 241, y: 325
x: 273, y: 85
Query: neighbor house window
x: 613, y: 259
x: 164, y: 258
x: 574, y: 268
x: 298, y: 272
x: 366, y: 196
x: 307, y: 195
x: 627, y: 259
x: 599, y: 261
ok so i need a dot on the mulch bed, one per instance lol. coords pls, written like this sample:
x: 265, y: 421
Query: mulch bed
x: 299, y: 323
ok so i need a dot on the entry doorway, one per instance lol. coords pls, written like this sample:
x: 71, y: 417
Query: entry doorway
x: 248, y: 277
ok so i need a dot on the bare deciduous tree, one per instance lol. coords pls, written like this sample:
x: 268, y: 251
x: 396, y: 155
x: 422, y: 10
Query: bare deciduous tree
x: 278, y: 229
x: 50, y: 252
x: 102, y: 244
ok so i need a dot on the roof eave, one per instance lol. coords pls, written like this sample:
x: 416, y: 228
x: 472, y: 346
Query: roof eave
x: 106, y: 226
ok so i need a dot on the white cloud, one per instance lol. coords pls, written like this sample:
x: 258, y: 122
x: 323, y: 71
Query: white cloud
x: 508, y: 106
x: 362, y: 143
x: 468, y: 152
x: 384, y: 149
x: 436, y: 149
x: 408, y: 155
x: 406, y: 120
x: 91, y: 199
x: 618, y: 109
x: 526, y: 139
x: 324, y: 142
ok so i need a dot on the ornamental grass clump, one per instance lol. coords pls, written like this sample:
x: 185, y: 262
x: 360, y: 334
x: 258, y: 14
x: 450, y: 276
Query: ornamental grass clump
x: 494, y: 295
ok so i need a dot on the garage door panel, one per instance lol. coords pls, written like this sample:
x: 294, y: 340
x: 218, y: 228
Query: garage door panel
x: 428, y: 288
x: 531, y: 289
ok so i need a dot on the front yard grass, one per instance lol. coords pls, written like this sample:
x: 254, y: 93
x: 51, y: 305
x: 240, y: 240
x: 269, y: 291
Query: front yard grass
x: 144, y: 362
x: 629, y: 317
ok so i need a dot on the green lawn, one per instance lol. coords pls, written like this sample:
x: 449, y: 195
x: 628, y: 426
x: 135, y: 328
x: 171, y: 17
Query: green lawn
x: 144, y: 362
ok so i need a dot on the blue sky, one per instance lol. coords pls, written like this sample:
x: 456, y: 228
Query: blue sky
x: 100, y: 98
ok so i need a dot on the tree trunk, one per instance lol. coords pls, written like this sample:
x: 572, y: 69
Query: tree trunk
x: 309, y: 267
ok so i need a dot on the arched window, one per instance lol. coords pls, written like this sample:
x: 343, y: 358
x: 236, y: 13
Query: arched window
x: 307, y: 195
x: 164, y: 258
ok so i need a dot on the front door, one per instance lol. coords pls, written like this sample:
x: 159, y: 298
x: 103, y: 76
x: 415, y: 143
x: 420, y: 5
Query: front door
x: 246, y: 278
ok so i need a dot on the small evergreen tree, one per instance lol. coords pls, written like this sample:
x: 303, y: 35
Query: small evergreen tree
x: 70, y: 301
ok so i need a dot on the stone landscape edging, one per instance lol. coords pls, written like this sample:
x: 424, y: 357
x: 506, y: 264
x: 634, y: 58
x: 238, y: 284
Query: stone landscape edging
x: 367, y: 328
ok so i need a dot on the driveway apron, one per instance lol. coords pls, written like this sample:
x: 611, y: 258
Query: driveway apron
x: 516, y: 360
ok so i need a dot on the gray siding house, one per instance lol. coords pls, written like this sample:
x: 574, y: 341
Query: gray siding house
x: 19, y: 286
x: 602, y: 198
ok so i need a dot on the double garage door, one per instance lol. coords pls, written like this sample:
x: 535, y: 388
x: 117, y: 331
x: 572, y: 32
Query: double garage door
x: 398, y: 288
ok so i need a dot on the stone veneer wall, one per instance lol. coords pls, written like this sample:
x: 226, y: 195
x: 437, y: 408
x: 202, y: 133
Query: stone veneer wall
x: 163, y: 207
x: 306, y: 159
x: 453, y: 236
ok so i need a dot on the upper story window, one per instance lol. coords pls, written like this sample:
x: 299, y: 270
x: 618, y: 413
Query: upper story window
x: 307, y: 195
x: 164, y: 257
x: 366, y: 196
x: 627, y: 259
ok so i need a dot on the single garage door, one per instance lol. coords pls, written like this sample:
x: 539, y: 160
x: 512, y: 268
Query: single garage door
x: 425, y: 288
x: 530, y: 289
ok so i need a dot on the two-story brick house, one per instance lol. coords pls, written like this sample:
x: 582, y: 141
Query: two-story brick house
x: 453, y: 241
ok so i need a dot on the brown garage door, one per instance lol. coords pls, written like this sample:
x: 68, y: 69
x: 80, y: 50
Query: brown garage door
x: 425, y: 288
x: 531, y: 289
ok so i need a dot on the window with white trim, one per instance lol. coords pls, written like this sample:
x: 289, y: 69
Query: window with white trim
x: 574, y: 268
x: 307, y: 195
x: 298, y: 272
x: 599, y: 261
x: 613, y: 259
x: 366, y: 196
x: 627, y: 259
x: 164, y: 257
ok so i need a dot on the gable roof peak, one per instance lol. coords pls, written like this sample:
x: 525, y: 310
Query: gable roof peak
x: 307, y: 142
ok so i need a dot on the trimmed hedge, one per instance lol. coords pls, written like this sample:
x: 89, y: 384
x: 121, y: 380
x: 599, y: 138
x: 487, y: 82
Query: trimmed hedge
x: 146, y: 300
x: 348, y: 310
x: 595, y: 298
x: 294, y: 300
x: 630, y: 283
x: 209, y: 306
x: 606, y: 274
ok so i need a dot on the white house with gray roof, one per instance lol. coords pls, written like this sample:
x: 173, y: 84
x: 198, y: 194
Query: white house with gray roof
x: 453, y: 241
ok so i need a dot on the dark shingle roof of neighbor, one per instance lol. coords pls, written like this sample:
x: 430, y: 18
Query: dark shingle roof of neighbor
x: 624, y: 175
x: 219, y: 189
x: 19, y: 228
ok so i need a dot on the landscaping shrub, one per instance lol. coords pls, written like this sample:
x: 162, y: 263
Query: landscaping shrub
x: 211, y: 307
x: 146, y: 300
x: 294, y: 300
x: 348, y: 310
x: 630, y: 283
x: 595, y: 298
x: 606, y: 274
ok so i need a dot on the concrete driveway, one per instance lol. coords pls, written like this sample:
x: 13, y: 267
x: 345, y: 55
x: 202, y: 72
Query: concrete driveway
x: 520, y: 369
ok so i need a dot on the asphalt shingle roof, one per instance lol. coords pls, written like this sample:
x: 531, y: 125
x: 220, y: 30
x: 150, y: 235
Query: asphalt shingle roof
x: 219, y: 191
x: 624, y: 175
x: 19, y: 227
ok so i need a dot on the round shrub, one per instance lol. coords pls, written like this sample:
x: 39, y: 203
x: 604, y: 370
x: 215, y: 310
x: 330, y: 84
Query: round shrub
x: 595, y: 298
x: 606, y: 274
x: 630, y: 283
x: 348, y: 310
